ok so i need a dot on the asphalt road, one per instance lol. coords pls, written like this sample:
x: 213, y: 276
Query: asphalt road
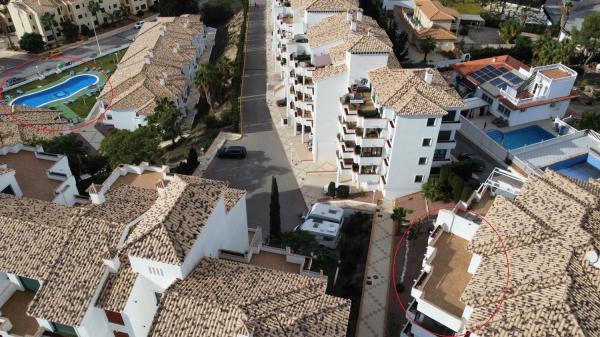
x: 88, y: 49
x: 463, y: 145
x: 266, y: 156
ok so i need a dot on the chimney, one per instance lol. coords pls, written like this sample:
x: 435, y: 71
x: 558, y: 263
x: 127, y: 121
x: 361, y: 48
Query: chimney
x: 428, y: 76
x: 96, y: 194
x: 353, y: 25
x: 349, y: 15
x: 369, y: 32
x: 147, y: 59
x: 113, y: 264
x: 359, y: 14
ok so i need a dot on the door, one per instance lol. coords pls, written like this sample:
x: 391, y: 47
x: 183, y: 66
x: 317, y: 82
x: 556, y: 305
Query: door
x: 30, y: 284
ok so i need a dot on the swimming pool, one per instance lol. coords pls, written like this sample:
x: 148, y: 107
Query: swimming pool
x: 60, y: 91
x: 521, y: 137
x: 581, y: 167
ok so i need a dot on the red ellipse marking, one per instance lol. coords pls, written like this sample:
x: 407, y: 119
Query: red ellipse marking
x: 504, y: 292
x: 12, y: 116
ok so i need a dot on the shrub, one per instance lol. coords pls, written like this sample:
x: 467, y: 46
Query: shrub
x: 331, y: 189
x: 466, y: 193
x: 216, y: 13
x: 433, y: 189
x: 85, y: 31
x: 32, y: 42
x: 139, y: 14
x: 342, y: 191
x: 399, y: 215
x: 457, y: 185
x: 212, y: 122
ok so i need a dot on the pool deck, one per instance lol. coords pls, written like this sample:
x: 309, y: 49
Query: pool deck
x: 480, y: 121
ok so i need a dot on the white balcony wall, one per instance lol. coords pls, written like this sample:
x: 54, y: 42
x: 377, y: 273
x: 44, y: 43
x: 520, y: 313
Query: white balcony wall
x: 456, y: 224
x: 361, y: 64
x: 440, y: 315
x: 325, y: 116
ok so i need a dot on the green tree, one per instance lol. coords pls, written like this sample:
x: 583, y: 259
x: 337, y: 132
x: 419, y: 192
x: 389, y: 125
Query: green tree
x: 178, y: 7
x: 94, y: 8
x: 69, y: 30
x: 274, y: 210
x: 509, y: 30
x: 399, y: 215
x: 401, y: 46
x: 192, y: 159
x: 86, y: 31
x: 207, y: 79
x: 48, y: 23
x: 331, y: 189
x: 433, y: 189
x: 32, y: 42
x: 548, y: 50
x: 165, y: 119
x: 132, y: 147
x: 589, y: 36
x: 427, y: 45
x: 590, y: 120
x: 70, y: 146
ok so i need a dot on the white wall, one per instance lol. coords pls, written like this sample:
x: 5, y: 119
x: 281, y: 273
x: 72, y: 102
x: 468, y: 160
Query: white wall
x: 236, y: 233
x: 537, y: 113
x: 325, y: 117
x: 440, y: 315
x: 10, y: 179
x: 168, y: 273
x: 456, y: 225
x: 94, y: 321
x: 359, y: 65
x: 313, y: 18
x: 140, y: 308
x: 406, y: 150
x: 124, y: 119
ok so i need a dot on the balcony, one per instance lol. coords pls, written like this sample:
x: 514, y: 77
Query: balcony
x: 14, y: 312
x: 346, y: 164
x: 360, y: 101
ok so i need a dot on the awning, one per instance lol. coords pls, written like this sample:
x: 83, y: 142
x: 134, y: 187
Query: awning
x: 471, y: 17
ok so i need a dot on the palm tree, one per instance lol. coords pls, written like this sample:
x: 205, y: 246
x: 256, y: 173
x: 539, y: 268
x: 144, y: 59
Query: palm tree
x: 94, y: 8
x: 427, y: 45
x: 224, y: 70
x: 48, y: 23
x: 166, y: 119
x: 509, y: 30
x: 207, y: 79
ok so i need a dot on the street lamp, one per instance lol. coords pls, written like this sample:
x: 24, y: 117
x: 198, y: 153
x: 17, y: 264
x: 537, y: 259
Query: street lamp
x: 96, y: 36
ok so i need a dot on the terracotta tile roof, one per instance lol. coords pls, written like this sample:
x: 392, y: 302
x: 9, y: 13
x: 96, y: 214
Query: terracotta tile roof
x: 118, y: 287
x: 337, y: 27
x: 468, y: 67
x: 438, y: 34
x: 554, y: 290
x: 232, y: 196
x: 331, y: 5
x: 124, y: 204
x: 555, y: 73
x: 170, y: 227
x: 358, y: 44
x: 42, y: 6
x: 12, y: 132
x: 135, y: 84
x: 221, y: 298
x: 406, y: 91
x: 435, y: 11
x: 328, y: 71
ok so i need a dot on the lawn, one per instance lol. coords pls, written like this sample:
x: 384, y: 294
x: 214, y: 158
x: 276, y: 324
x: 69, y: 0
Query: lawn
x: 83, y: 105
x: 465, y: 6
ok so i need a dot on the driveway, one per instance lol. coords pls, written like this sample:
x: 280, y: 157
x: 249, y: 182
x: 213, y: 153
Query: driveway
x: 463, y: 145
x: 266, y: 156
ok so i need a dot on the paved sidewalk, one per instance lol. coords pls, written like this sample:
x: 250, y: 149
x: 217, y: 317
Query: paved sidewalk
x: 311, y: 176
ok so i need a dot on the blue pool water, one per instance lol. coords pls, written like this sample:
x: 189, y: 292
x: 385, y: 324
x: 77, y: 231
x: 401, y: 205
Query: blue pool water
x: 581, y: 167
x: 57, y: 92
x: 520, y: 137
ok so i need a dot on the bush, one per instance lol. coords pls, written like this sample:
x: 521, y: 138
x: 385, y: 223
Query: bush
x: 342, y: 192
x: 32, y: 42
x: 433, y: 189
x: 212, y: 122
x: 105, y: 25
x: 457, y: 185
x: 331, y: 189
x: 86, y: 31
x: 139, y: 14
x: 216, y: 13
x: 466, y: 193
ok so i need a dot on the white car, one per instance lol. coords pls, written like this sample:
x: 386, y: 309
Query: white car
x: 138, y: 25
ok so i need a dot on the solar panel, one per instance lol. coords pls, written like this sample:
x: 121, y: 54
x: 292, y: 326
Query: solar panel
x: 497, y: 81
x: 518, y: 80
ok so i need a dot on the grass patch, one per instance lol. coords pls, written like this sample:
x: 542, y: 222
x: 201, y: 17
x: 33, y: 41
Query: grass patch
x: 82, y: 106
x: 465, y: 6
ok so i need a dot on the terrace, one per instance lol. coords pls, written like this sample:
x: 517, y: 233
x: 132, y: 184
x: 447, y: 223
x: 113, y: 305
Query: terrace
x: 31, y: 174
x: 360, y: 101
x: 449, y: 276
x: 15, y: 310
x: 147, y: 180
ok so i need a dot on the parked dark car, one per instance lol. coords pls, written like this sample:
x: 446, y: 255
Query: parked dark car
x: 238, y: 152
x: 477, y: 162
x: 281, y: 102
x: 14, y: 80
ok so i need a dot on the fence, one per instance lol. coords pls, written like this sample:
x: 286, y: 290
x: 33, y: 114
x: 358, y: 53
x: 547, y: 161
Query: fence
x: 72, y: 65
x: 478, y: 137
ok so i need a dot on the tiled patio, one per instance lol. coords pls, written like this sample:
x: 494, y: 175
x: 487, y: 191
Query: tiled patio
x: 146, y: 180
x: 485, y: 123
x: 15, y: 310
x: 274, y: 261
x: 31, y: 174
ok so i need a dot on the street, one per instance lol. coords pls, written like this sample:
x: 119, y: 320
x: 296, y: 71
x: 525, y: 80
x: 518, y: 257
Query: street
x: 88, y: 49
x: 266, y: 156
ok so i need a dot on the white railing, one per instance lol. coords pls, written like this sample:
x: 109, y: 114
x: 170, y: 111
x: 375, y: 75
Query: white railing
x: 527, y: 167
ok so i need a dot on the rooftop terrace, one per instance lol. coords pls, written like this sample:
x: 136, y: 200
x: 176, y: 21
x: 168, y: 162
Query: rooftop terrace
x: 31, y: 174
x: 15, y: 310
x: 449, y: 276
x: 274, y: 261
x: 148, y: 179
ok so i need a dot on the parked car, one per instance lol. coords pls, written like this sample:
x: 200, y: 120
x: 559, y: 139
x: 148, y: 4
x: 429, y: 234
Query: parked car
x: 138, y: 25
x: 14, y: 80
x: 477, y: 162
x: 55, y: 52
x: 232, y: 152
x: 281, y: 102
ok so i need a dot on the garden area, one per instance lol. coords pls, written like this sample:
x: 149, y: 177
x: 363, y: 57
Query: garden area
x: 465, y: 6
x: 79, y: 105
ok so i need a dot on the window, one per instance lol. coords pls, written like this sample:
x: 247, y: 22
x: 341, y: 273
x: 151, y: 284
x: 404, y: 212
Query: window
x: 327, y: 238
x: 450, y: 117
x: 157, y: 296
x: 418, y: 179
x: 440, y: 154
x: 368, y: 169
x: 430, y: 121
x: 143, y: 6
x: 487, y: 98
x: 422, y: 160
x: 426, y: 141
x: 552, y: 105
x: 444, y: 136
x: 76, y: 6
x: 115, y: 6
x: 114, y: 317
x: 80, y: 16
x: 504, y: 110
x: 371, y: 151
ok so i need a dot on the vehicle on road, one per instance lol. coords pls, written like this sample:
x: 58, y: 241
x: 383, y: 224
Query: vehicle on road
x: 138, y: 25
x: 478, y: 163
x: 281, y: 102
x: 238, y: 152
x: 55, y: 52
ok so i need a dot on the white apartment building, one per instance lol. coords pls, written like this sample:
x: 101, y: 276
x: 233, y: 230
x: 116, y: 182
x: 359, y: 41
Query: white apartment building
x: 161, y: 62
x: 327, y: 76
x: 514, y: 91
x: 554, y: 266
x: 27, y: 14
x: 154, y: 254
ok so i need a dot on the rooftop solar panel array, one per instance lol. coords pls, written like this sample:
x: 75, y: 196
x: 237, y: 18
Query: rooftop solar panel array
x: 487, y: 73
